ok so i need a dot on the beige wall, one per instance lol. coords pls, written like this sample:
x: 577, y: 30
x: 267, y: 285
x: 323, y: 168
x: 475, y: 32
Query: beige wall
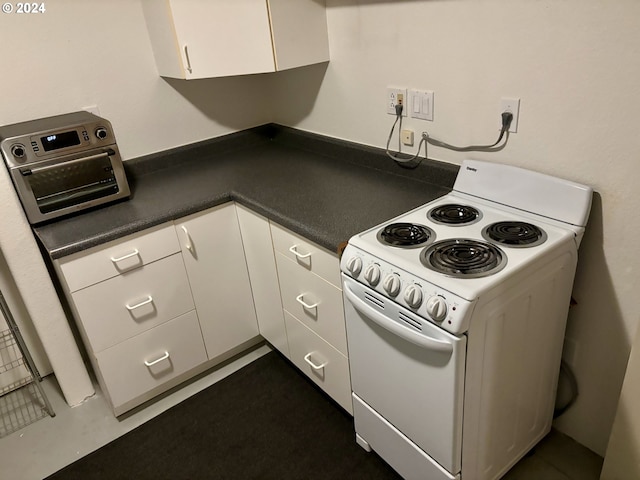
x: 623, y: 453
x: 81, y: 53
x: 575, y: 64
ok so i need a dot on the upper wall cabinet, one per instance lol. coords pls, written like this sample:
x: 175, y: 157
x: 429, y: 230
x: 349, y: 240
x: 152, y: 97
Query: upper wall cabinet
x: 204, y: 39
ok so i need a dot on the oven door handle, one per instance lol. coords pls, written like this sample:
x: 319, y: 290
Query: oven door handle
x: 31, y: 171
x: 403, y: 332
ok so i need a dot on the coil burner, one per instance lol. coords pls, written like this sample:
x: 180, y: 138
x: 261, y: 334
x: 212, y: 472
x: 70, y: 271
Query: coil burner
x: 454, y: 214
x: 406, y: 235
x: 514, y: 234
x: 463, y: 258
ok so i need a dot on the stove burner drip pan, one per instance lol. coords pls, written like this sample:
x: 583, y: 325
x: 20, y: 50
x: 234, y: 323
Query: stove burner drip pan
x: 454, y: 214
x: 514, y: 234
x: 406, y: 235
x: 463, y: 258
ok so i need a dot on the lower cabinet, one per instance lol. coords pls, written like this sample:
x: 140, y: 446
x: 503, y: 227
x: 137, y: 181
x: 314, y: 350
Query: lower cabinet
x: 298, y: 297
x: 213, y: 255
x: 135, y: 369
x: 320, y: 361
x: 261, y: 263
x: 160, y: 306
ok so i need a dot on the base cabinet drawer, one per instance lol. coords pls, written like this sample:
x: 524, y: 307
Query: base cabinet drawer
x: 117, y: 257
x: 124, y: 306
x: 152, y: 358
x: 313, y: 301
x: 307, y: 255
x: 322, y: 363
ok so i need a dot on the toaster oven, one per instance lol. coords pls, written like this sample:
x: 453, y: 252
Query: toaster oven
x: 63, y: 164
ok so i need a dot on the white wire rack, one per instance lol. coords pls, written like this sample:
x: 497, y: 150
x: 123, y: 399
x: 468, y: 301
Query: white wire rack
x: 22, y: 400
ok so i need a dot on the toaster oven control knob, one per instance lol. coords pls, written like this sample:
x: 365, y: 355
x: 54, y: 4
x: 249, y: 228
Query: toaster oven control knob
x: 437, y: 308
x: 18, y: 150
x: 391, y: 284
x: 413, y: 296
x: 354, y: 265
x: 372, y: 274
x: 101, y: 133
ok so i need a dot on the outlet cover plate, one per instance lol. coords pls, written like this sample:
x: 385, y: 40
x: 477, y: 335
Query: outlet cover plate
x: 392, y: 99
x: 510, y: 105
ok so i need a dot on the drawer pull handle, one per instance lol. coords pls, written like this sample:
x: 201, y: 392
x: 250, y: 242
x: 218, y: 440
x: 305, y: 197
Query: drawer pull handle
x: 294, y: 250
x: 141, y: 304
x: 307, y: 358
x: 300, y: 300
x: 189, y: 244
x: 163, y: 357
x: 124, y: 257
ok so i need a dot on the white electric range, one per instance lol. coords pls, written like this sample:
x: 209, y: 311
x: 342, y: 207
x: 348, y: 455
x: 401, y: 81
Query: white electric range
x: 455, y: 318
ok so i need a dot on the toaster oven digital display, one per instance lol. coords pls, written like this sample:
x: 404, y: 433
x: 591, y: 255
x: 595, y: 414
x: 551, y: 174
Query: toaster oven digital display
x: 60, y: 140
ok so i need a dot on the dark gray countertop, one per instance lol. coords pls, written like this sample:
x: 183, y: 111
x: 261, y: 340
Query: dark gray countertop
x: 324, y: 189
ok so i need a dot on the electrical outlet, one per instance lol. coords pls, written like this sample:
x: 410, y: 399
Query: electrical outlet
x: 422, y: 104
x: 510, y: 105
x: 394, y: 97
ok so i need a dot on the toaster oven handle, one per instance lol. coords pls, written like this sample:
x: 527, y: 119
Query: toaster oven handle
x: 31, y: 171
x: 421, y: 340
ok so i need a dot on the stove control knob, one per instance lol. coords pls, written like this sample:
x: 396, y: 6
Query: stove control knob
x: 437, y: 308
x: 372, y: 274
x: 354, y: 265
x: 391, y: 284
x: 413, y: 296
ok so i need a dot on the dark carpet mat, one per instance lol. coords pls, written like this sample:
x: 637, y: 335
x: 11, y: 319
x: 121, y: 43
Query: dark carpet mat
x: 266, y: 421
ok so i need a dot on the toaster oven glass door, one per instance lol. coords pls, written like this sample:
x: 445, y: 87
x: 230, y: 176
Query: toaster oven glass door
x: 58, y: 186
x: 70, y: 183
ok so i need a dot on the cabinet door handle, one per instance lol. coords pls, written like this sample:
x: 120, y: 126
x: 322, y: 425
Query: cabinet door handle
x: 186, y: 56
x: 141, y: 304
x: 189, y: 244
x: 294, y: 250
x: 307, y: 358
x: 158, y: 360
x: 124, y: 257
x: 300, y: 300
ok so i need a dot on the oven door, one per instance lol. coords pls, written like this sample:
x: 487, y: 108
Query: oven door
x: 408, y: 373
x: 57, y: 187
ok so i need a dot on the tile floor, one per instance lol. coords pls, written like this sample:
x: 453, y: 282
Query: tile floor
x: 44, y: 447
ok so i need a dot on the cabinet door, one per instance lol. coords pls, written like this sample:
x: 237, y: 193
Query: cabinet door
x: 217, y: 271
x: 299, y: 30
x: 258, y: 250
x: 223, y: 37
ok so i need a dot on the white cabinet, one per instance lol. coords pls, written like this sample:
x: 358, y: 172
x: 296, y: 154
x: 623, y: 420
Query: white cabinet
x: 133, y: 306
x: 202, y: 39
x: 217, y: 270
x: 124, y: 306
x: 162, y: 305
x: 310, y: 288
x: 141, y: 367
x: 261, y: 263
x: 322, y: 363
